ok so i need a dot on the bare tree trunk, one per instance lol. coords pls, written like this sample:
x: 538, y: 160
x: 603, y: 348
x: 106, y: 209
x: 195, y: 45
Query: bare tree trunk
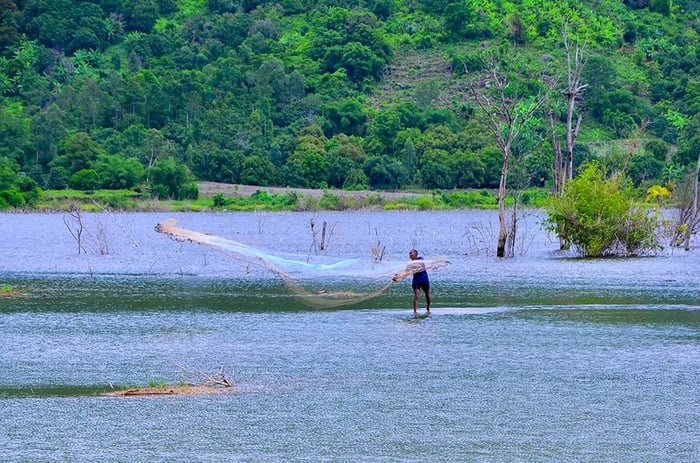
x: 574, y: 89
x: 502, y: 226
x: 570, y: 142
x: 323, y: 236
x: 513, y: 233
x: 76, y: 228
x: 694, y: 208
x: 564, y: 167
x: 558, y: 166
x: 505, y: 118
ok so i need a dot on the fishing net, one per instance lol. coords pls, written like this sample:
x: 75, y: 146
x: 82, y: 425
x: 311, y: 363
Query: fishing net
x: 316, y: 281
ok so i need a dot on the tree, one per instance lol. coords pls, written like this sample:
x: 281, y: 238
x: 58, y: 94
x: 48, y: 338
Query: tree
x: 170, y: 179
x: 218, y: 81
x: 154, y: 148
x: 348, y: 116
x: 215, y: 164
x: 564, y: 167
x: 9, y: 30
x: 15, y: 190
x: 385, y: 173
x: 15, y: 132
x: 313, y: 167
x: 688, y: 222
x: 596, y: 215
x: 116, y: 172
x: 257, y: 170
x: 437, y: 169
x: 48, y: 129
x: 465, y: 20
x: 140, y: 15
x: 384, y: 127
x: 409, y: 158
x: 338, y: 169
x: 85, y: 179
x: 505, y: 113
x: 78, y: 151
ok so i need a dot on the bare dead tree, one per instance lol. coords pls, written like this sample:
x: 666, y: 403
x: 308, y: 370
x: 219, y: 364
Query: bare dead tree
x: 505, y: 116
x: 574, y: 90
x: 326, y: 235
x: 323, y: 236
x: 575, y: 62
x: 478, y: 237
x: 688, y: 222
x: 694, y: 218
x: 314, y: 240
x: 99, y: 238
x: 378, y: 249
x: 125, y: 228
x: 76, y: 228
x: 219, y: 379
x: 563, y: 167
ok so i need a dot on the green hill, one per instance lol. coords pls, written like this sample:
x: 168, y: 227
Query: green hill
x: 151, y: 95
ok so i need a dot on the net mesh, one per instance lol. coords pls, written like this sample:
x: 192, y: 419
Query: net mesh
x: 316, y: 281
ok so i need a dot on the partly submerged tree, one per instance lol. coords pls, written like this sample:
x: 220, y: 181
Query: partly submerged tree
x: 596, y: 215
x: 506, y: 108
x: 688, y: 222
x: 563, y: 167
x: 575, y: 61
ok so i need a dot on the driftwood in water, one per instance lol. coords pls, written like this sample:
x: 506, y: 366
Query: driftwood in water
x: 208, y: 384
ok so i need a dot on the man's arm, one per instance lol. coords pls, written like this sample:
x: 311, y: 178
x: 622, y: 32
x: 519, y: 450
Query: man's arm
x: 411, y: 268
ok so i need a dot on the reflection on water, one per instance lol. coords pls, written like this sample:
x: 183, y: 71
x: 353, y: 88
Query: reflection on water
x: 539, y: 358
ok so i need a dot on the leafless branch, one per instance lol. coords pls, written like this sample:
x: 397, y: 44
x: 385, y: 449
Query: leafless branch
x: 204, y: 379
x: 75, y: 228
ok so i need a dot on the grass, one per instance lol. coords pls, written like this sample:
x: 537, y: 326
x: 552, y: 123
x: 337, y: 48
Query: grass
x: 91, y: 200
x: 9, y: 291
x: 100, y: 200
x: 158, y: 383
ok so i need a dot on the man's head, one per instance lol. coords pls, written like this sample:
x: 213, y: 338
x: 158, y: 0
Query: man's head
x: 413, y: 254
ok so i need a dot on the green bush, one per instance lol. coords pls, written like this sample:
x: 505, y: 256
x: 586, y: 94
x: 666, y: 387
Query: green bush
x: 161, y: 192
x: 330, y: 202
x: 85, y: 179
x: 596, y: 216
x: 11, y: 198
x: 190, y: 191
x: 219, y: 200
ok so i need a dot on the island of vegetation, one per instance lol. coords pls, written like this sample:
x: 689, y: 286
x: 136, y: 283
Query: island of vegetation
x: 9, y: 291
x: 205, y: 384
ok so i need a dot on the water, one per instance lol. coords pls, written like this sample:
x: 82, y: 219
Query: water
x: 541, y: 358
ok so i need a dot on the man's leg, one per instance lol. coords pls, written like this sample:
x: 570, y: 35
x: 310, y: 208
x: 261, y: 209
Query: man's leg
x: 416, y: 295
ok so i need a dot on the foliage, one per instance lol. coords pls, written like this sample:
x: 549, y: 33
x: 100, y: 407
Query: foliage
x: 596, y: 215
x: 260, y: 200
x: 323, y: 94
x: 172, y: 181
x: 16, y: 191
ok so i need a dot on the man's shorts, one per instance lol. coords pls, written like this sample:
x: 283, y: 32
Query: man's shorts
x: 425, y: 286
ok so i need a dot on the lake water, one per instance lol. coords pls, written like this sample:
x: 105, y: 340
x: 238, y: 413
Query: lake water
x: 539, y: 358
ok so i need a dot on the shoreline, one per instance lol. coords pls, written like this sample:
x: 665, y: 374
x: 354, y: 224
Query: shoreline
x: 234, y: 189
x: 214, y: 196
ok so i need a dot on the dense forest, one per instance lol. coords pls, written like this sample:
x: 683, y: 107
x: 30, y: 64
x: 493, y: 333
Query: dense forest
x: 154, y: 94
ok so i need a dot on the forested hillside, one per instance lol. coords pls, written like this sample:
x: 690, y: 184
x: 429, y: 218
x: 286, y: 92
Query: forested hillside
x: 153, y: 94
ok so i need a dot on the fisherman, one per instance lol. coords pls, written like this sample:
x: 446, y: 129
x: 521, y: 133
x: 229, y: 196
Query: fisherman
x: 420, y: 280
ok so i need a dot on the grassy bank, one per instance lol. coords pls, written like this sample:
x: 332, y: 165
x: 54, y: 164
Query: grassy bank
x: 278, y: 199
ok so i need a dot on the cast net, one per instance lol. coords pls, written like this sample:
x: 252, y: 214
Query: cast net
x: 315, y: 280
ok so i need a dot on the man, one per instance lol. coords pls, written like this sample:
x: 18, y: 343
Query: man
x: 420, y: 281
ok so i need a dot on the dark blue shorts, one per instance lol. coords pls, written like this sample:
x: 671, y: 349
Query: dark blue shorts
x: 425, y: 286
